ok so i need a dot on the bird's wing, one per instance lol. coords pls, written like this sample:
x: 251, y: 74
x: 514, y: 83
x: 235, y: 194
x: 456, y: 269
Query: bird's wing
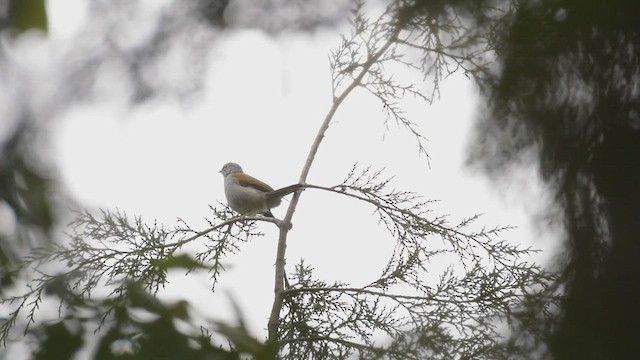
x: 249, y: 181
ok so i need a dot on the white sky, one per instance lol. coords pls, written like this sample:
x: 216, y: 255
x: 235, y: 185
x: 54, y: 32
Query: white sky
x: 264, y: 99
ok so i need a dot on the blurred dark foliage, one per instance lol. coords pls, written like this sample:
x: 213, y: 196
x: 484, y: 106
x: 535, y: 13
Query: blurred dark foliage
x: 278, y: 16
x: 23, y: 15
x: 25, y: 192
x: 142, y: 328
x: 24, y: 187
x: 213, y: 11
x: 569, y: 87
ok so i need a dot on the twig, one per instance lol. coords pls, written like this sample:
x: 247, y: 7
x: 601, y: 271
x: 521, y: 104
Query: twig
x: 274, y: 317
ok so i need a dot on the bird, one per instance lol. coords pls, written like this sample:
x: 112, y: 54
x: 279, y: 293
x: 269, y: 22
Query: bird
x: 250, y: 196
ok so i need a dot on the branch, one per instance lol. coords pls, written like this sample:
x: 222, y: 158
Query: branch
x: 274, y: 317
x: 364, y: 349
x: 144, y: 259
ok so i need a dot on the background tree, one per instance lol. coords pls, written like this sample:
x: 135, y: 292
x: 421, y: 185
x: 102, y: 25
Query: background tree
x: 567, y: 88
x: 24, y: 184
x: 396, y: 315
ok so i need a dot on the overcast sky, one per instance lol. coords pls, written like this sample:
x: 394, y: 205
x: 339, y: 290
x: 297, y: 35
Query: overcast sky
x: 264, y: 99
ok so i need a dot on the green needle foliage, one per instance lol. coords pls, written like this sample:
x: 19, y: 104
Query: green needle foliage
x: 400, y: 315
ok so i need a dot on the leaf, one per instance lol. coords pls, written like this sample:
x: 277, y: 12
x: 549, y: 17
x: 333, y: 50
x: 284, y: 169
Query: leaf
x: 180, y: 261
x: 29, y: 14
x: 58, y: 343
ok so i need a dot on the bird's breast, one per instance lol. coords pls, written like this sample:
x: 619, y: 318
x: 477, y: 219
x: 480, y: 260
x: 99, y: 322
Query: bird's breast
x: 245, y: 200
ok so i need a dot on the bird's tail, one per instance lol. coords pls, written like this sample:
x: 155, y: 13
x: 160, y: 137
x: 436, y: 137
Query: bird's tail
x: 277, y: 194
